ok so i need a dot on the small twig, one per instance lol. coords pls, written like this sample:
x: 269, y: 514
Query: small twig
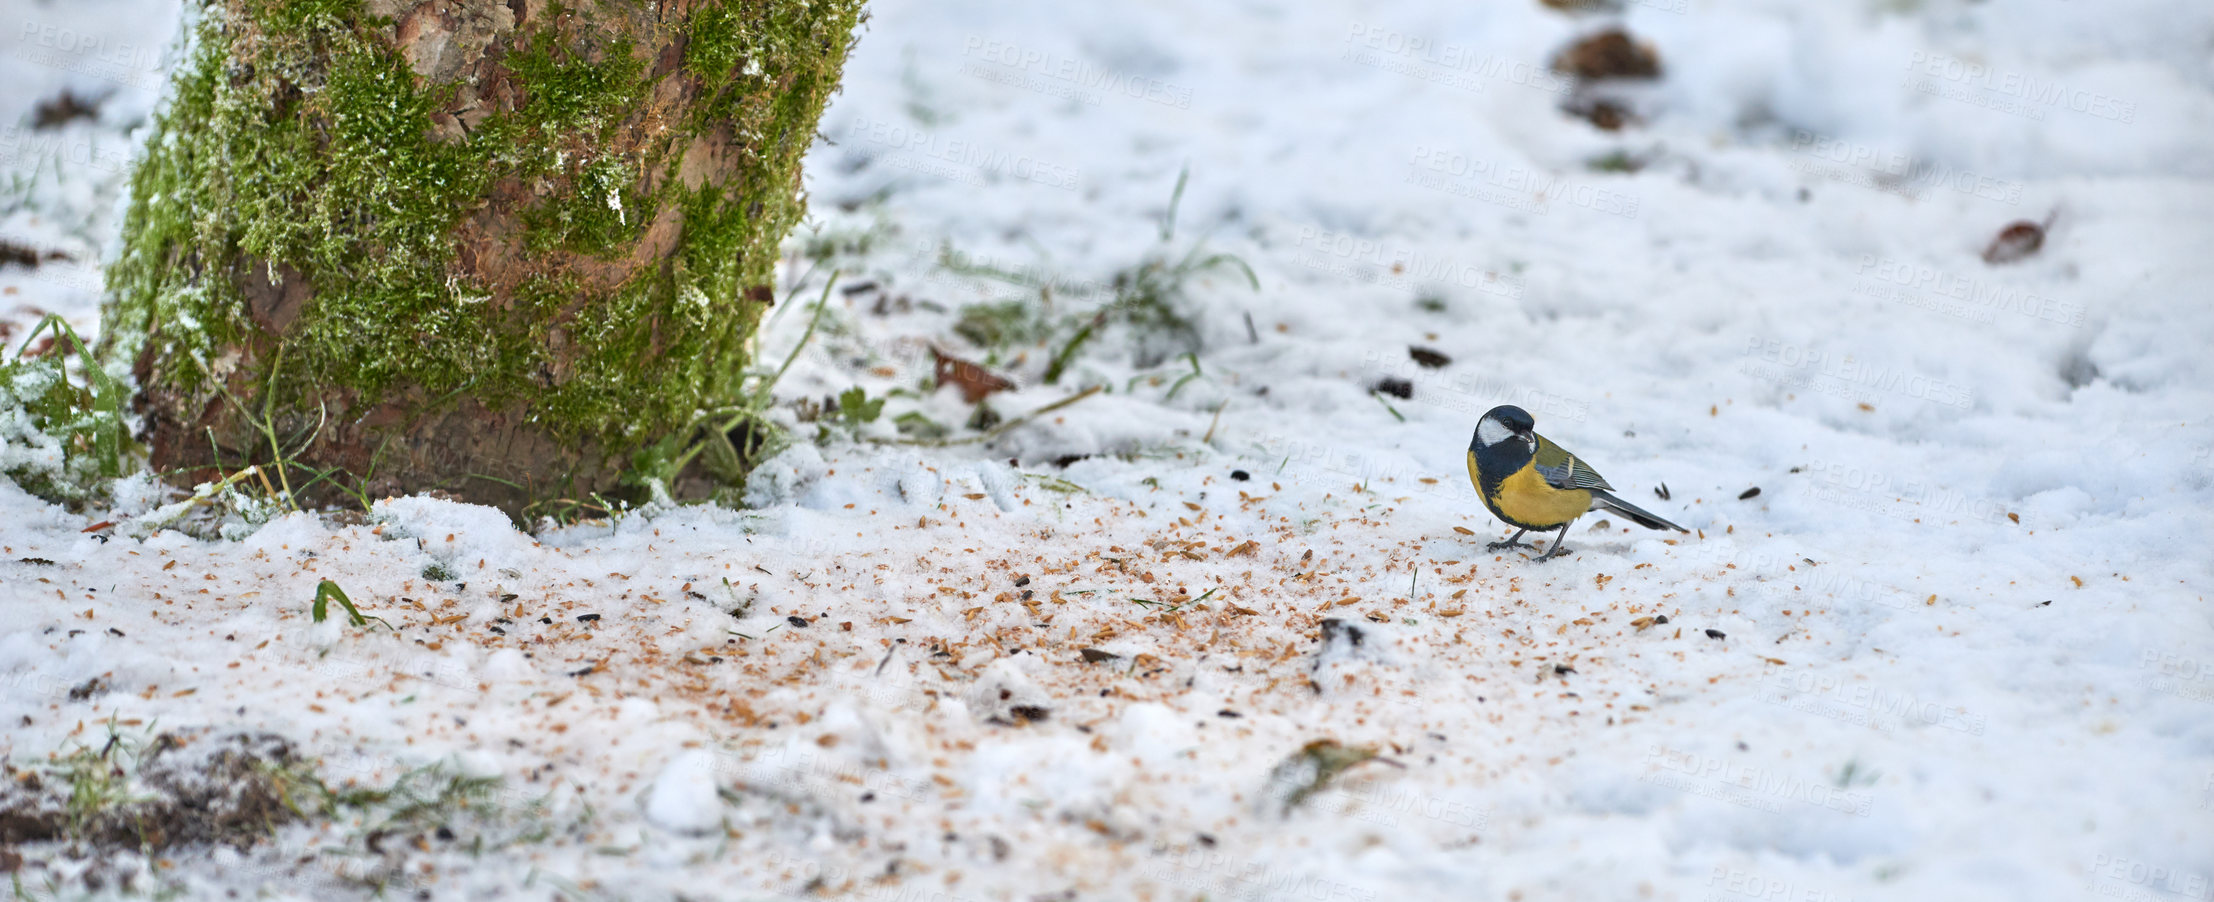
x: 758, y: 399
x: 268, y: 424
x: 1379, y: 396
x: 995, y: 431
x: 170, y: 513
x: 789, y: 359
x: 789, y: 295
x: 1061, y: 359
x: 267, y: 428
x: 1176, y: 199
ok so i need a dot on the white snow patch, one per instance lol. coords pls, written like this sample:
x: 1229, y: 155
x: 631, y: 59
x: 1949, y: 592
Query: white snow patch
x: 684, y: 796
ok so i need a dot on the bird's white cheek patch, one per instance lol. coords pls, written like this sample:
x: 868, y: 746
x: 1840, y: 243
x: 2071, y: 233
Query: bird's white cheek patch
x: 1490, y: 432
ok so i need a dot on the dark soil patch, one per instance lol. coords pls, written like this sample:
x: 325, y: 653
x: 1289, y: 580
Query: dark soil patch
x: 1397, y: 388
x: 13, y: 254
x: 1610, y: 53
x: 1427, y: 357
x: 55, y: 112
x: 229, y: 791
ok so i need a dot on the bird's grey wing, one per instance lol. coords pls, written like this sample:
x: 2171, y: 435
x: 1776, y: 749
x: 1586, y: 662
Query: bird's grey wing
x: 1563, y: 470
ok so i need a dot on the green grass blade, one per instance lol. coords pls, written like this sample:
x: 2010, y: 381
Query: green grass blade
x: 1176, y: 199
x: 326, y: 592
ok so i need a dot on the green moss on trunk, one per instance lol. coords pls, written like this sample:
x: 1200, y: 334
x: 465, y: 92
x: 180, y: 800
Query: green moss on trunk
x: 380, y: 220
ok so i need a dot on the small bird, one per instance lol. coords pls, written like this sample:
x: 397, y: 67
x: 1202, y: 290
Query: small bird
x: 1532, y: 483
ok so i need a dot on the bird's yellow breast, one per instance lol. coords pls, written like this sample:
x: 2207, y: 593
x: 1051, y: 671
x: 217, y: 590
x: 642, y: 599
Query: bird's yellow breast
x: 1525, y: 500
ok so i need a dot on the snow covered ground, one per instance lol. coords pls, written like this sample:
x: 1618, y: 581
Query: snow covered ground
x: 1956, y: 647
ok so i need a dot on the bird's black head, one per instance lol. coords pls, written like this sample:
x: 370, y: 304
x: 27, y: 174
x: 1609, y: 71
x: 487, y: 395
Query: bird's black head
x: 1505, y: 427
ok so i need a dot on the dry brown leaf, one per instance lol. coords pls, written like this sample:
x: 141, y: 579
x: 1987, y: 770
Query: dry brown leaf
x: 976, y: 383
x: 2021, y: 238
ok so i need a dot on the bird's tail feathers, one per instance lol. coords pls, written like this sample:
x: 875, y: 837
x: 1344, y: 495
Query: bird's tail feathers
x: 1640, y: 516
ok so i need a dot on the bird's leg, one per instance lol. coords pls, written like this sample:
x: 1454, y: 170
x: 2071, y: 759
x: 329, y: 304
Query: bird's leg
x: 1558, y: 549
x: 1513, y: 541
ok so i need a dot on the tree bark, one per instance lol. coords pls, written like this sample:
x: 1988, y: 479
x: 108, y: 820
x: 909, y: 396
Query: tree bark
x: 509, y: 249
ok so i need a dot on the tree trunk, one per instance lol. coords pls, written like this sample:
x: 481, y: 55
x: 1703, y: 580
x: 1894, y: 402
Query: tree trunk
x: 509, y: 249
